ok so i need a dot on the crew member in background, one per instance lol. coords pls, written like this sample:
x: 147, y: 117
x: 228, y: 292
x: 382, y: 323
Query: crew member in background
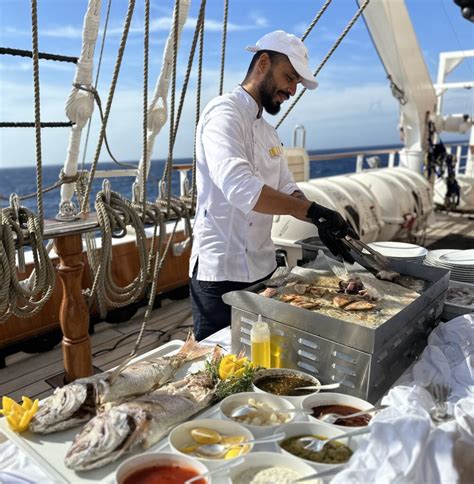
x: 243, y: 180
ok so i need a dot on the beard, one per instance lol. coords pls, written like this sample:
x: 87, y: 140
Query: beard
x: 267, y: 92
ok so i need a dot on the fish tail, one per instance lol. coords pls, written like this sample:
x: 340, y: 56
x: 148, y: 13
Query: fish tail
x: 192, y: 350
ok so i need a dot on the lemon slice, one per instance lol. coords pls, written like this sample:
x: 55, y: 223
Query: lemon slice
x: 233, y: 453
x: 206, y: 436
x: 189, y: 449
x: 233, y: 440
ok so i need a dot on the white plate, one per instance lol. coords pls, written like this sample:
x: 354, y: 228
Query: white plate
x: 459, y: 258
x: 399, y: 250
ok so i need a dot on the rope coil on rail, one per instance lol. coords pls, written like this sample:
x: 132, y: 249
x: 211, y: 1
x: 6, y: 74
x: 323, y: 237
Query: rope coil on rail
x: 17, y: 298
x: 114, y: 214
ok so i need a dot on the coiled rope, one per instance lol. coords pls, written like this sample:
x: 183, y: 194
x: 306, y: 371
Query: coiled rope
x: 114, y: 214
x: 326, y: 58
x: 18, y: 298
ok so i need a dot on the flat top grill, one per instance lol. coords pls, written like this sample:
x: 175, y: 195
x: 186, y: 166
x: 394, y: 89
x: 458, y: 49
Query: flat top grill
x: 364, y: 338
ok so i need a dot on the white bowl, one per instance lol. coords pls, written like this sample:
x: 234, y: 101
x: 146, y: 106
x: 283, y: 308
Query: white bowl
x: 181, y: 437
x: 295, y: 400
x: 277, y: 403
x: 311, y: 428
x: 152, y: 459
x: 271, y: 459
x: 334, y: 399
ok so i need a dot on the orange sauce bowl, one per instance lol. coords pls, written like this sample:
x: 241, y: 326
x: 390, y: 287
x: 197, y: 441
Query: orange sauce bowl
x: 160, y: 468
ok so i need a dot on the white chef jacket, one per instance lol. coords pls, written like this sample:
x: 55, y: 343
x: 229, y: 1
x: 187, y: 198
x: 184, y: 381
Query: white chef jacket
x: 237, y: 152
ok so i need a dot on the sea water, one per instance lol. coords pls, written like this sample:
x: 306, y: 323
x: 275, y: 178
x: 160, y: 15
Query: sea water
x: 22, y: 180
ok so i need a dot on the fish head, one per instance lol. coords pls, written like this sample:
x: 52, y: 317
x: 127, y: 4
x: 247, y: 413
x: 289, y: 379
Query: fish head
x: 107, y: 436
x: 62, y: 409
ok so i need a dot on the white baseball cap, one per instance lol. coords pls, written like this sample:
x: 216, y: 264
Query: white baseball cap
x: 293, y: 48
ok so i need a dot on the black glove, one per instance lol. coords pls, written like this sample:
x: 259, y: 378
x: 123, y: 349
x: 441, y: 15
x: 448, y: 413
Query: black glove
x: 332, y: 227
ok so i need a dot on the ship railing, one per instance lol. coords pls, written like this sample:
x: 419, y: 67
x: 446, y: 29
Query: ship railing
x: 460, y: 150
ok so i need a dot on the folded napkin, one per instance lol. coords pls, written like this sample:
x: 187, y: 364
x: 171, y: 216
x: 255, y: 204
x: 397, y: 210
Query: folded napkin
x: 404, y: 445
x: 449, y: 357
x: 17, y: 468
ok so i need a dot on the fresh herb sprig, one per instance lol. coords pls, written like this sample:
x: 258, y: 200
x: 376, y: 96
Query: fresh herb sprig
x: 232, y: 384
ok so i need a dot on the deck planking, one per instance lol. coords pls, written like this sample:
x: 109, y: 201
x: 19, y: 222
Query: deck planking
x: 26, y: 374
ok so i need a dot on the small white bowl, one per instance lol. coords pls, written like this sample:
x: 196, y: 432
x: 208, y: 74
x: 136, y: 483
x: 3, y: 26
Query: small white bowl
x: 152, y: 459
x: 310, y: 428
x: 271, y: 459
x: 181, y: 437
x: 295, y: 400
x: 334, y: 399
x: 237, y: 400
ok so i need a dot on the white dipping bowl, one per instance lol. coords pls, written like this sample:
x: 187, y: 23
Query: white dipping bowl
x: 152, y: 459
x: 181, y: 437
x: 271, y: 459
x: 295, y: 400
x: 334, y: 399
x: 278, y: 403
x: 310, y: 428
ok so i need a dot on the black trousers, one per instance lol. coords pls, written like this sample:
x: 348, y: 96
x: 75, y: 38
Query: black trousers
x: 210, y: 313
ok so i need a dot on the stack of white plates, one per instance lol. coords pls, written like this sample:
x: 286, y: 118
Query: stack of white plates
x: 400, y: 251
x: 459, y: 262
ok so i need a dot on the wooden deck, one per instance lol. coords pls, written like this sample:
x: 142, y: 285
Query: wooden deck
x: 28, y: 374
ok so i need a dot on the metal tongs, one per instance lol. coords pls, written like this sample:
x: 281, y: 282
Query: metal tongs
x: 366, y: 256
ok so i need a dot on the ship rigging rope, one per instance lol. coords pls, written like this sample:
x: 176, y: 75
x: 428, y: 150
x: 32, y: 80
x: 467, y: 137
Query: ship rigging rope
x: 26, y: 298
x: 223, y: 45
x: 197, y: 33
x: 169, y: 161
x: 326, y: 58
x: 315, y: 20
x: 144, y: 171
x: 41, y: 55
x: 198, y: 113
x: 36, y: 82
x: 123, y: 41
x: 62, y: 180
x: 158, y: 264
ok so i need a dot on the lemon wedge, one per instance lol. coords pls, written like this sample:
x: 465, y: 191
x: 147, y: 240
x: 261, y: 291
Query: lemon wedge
x: 19, y: 416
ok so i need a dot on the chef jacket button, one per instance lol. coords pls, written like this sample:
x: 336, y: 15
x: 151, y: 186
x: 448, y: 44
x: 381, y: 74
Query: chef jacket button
x: 250, y: 224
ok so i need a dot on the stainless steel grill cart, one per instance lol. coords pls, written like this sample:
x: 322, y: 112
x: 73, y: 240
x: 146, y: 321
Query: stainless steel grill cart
x: 366, y: 360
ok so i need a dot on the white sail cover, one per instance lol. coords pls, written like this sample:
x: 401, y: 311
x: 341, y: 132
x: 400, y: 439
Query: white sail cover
x: 394, y: 37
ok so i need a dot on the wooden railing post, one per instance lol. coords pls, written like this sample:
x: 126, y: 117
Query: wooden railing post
x: 73, y: 313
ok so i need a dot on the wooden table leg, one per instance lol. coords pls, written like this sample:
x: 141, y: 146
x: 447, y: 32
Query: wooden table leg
x: 73, y: 313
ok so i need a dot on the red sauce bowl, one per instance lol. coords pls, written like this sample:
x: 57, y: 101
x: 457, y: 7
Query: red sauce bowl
x: 160, y: 468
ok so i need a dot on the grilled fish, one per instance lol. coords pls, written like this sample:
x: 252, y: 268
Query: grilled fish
x: 77, y: 402
x: 342, y: 300
x: 138, y: 424
x: 359, y: 306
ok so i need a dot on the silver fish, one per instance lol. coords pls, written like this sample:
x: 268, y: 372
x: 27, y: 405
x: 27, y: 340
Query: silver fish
x: 77, y: 402
x: 138, y: 424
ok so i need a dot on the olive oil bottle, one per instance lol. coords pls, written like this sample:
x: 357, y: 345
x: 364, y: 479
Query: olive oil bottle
x: 260, y: 343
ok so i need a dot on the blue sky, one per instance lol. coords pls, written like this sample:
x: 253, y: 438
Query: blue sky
x: 352, y: 107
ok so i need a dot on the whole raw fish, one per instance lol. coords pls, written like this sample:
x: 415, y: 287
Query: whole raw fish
x: 139, y: 423
x: 77, y: 402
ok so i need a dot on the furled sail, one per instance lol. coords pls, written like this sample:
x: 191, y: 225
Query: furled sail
x: 392, y: 32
